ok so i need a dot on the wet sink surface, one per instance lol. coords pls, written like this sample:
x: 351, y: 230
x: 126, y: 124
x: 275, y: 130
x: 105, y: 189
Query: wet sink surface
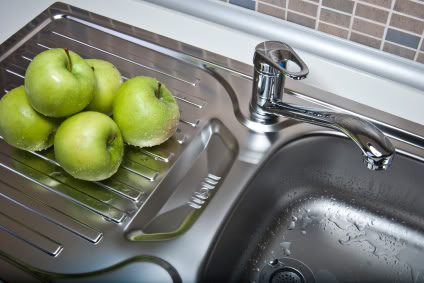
x: 315, y: 202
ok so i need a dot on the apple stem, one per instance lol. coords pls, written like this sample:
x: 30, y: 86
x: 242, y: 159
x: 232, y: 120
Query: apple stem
x: 69, y: 59
x: 158, y: 91
x: 110, y: 141
x: 92, y: 68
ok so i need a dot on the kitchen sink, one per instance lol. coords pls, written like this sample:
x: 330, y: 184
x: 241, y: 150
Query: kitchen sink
x: 226, y: 198
x: 314, y: 208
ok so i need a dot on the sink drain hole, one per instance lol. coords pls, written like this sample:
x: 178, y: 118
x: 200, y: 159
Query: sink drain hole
x: 286, y: 270
x: 287, y: 276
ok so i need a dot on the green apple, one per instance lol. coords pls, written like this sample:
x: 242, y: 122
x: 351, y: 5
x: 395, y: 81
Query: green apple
x: 108, y: 80
x: 59, y: 83
x: 23, y: 127
x: 89, y: 146
x: 145, y: 111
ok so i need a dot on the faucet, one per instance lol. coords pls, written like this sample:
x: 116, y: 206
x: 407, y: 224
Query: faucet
x: 270, y: 71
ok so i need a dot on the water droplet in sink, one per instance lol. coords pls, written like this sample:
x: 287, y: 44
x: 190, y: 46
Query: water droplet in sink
x: 339, y: 222
x: 413, y: 256
x: 303, y: 232
x: 360, y: 222
x: 306, y: 221
x: 285, y: 246
x: 292, y: 225
x: 375, y: 239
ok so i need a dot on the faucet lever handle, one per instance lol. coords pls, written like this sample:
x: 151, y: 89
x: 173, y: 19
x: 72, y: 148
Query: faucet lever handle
x: 272, y: 57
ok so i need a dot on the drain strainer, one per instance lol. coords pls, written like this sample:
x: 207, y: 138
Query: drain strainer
x: 287, y: 276
x: 286, y: 270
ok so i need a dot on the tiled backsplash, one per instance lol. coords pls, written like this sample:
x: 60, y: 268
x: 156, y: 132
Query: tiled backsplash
x: 394, y: 26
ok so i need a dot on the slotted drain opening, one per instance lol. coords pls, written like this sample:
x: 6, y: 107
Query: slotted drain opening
x: 286, y: 270
x: 287, y: 276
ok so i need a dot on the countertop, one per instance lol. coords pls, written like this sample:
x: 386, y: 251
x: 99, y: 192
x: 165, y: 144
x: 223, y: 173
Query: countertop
x: 394, y: 98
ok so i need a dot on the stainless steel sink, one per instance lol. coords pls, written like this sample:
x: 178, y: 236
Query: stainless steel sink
x: 342, y: 221
x: 220, y: 200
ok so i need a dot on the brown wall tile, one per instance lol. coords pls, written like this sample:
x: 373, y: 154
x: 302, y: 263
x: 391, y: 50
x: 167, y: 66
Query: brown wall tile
x: 343, y: 33
x: 407, y: 23
x: 335, y: 18
x: 368, y: 27
x: 411, y: 8
x: 272, y: 11
x: 405, y: 31
x: 420, y: 58
x: 303, y: 7
x: 383, y: 3
x: 301, y: 20
x: 279, y: 3
x: 371, y: 13
x: 363, y: 39
x: 341, y: 5
x: 400, y: 51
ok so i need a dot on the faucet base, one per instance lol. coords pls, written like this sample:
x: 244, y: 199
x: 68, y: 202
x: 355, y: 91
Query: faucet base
x: 259, y: 116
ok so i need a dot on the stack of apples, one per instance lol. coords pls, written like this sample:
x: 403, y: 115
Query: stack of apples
x: 67, y: 102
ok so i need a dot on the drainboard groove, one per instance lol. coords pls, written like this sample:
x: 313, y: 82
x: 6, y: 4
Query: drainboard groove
x: 28, y: 235
x: 26, y: 58
x: 49, y: 213
x: 110, y: 184
x: 121, y: 189
x: 179, y: 137
x: 194, y: 101
x: 161, y: 155
x: 140, y: 170
x: 191, y: 123
x: 65, y: 191
x: 38, y: 198
x: 15, y: 73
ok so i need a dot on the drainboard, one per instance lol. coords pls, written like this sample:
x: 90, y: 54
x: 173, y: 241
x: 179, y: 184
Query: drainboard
x: 54, y: 223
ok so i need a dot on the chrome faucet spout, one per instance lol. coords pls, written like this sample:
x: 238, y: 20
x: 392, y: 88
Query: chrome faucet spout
x: 376, y: 148
x: 270, y: 63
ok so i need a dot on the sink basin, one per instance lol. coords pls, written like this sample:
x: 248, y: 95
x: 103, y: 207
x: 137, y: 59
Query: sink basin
x: 314, y: 208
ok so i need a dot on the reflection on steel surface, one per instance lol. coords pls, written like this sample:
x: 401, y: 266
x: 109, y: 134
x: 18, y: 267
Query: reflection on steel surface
x: 137, y: 224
